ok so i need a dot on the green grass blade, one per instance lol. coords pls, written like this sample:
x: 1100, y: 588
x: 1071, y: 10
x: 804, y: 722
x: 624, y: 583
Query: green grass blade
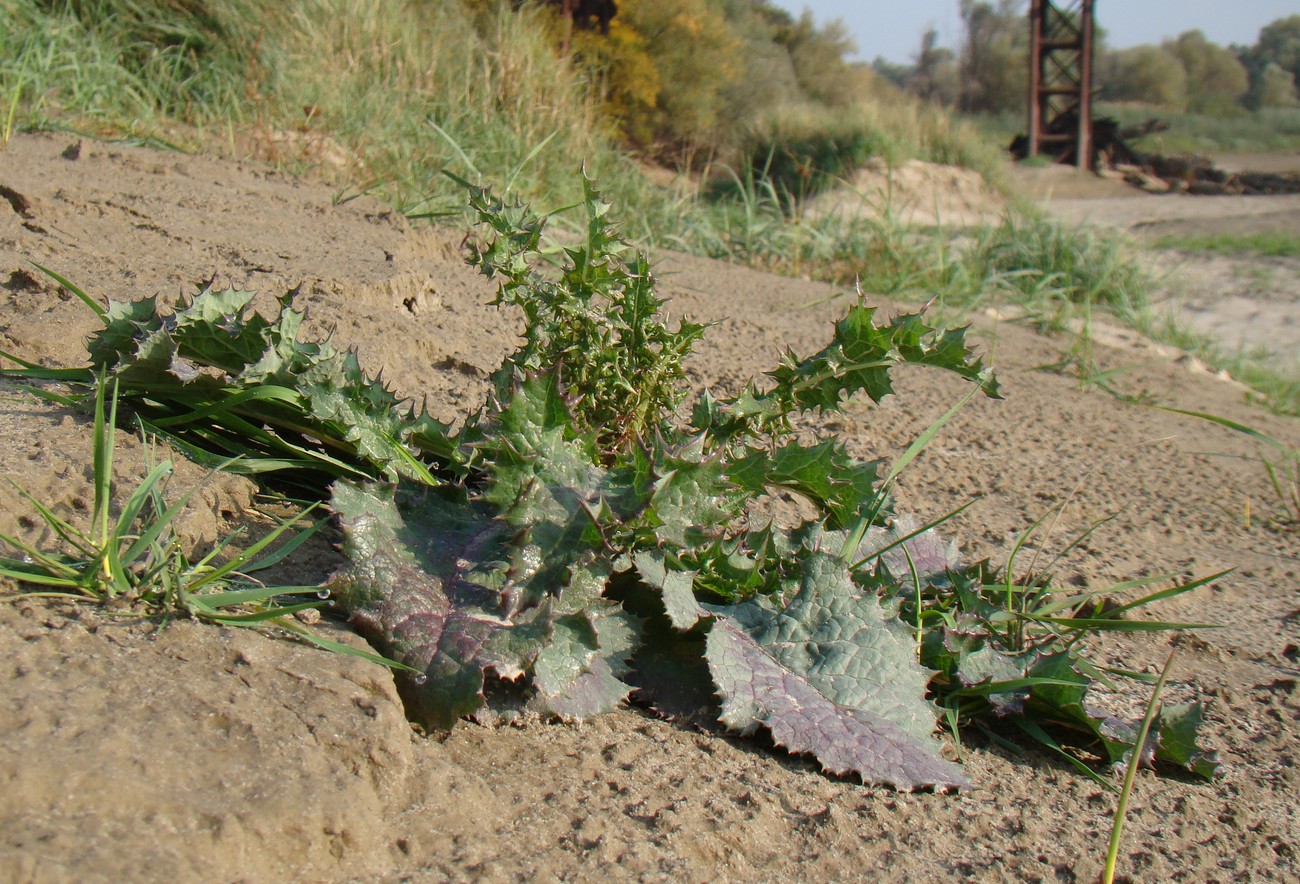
x: 249, y: 555
x: 288, y: 546
x: 918, y: 445
x: 253, y: 595
x: 911, y: 535
x: 39, y: 573
x: 1231, y: 425
x: 158, y: 524
x: 231, y: 402
x: 1034, y: 730
x: 1130, y: 775
x: 59, y: 526
x: 340, y: 648
x: 102, y: 460
x: 40, y: 372
x: 86, y: 299
x: 455, y: 145
x: 528, y: 158
x: 1170, y: 592
x: 1107, y: 624
x: 922, y: 441
x: 199, y: 606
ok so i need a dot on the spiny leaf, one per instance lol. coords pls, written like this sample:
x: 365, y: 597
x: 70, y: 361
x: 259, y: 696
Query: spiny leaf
x: 577, y: 674
x: 1179, y: 731
x: 861, y: 354
x: 824, y: 473
x: 675, y: 585
x: 214, y: 350
x: 690, y: 495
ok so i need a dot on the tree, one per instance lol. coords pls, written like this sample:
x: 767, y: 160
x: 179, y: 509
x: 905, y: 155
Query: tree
x: 1278, y: 46
x: 936, y: 77
x: 995, y: 56
x: 1279, y: 43
x: 1275, y: 87
x: 1216, y: 80
x: 1147, y: 74
x: 818, y: 56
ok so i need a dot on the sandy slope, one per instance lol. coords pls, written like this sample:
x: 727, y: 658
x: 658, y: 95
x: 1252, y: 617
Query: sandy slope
x: 193, y: 753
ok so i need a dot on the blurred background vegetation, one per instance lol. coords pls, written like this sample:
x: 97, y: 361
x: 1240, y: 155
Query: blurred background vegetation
x: 708, y: 122
x: 1218, y: 97
x: 737, y: 88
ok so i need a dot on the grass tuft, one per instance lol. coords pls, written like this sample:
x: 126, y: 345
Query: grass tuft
x: 131, y: 555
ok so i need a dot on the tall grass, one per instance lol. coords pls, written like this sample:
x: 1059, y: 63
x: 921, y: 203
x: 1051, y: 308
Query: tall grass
x: 412, y: 89
x: 136, y: 63
x: 406, y: 88
x: 803, y: 150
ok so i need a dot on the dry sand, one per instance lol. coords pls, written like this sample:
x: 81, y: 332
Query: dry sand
x: 1246, y: 301
x: 197, y: 753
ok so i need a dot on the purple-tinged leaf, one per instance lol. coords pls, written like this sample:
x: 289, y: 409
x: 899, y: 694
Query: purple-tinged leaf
x: 831, y: 675
x: 420, y: 596
x: 756, y: 689
x: 837, y: 636
x: 929, y: 552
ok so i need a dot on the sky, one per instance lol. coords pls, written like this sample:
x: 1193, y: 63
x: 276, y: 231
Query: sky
x: 892, y: 28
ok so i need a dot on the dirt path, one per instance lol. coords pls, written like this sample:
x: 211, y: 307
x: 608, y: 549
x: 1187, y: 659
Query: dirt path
x: 195, y: 753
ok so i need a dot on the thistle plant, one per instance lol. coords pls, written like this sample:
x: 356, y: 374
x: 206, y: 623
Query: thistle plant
x: 587, y: 531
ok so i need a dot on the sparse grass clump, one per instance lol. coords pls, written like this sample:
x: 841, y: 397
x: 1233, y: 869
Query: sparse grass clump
x: 1048, y: 262
x: 131, y: 559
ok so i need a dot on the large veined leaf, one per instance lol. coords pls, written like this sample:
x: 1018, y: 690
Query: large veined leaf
x: 831, y: 675
x: 757, y: 689
x: 427, y: 599
x: 455, y: 584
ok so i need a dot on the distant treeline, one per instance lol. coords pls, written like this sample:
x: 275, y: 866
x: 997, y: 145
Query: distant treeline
x: 988, y: 72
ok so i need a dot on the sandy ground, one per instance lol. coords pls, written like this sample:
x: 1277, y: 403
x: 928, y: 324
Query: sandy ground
x: 1240, y: 301
x: 133, y: 752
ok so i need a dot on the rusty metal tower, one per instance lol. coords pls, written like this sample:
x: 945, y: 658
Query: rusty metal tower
x: 1060, y: 81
